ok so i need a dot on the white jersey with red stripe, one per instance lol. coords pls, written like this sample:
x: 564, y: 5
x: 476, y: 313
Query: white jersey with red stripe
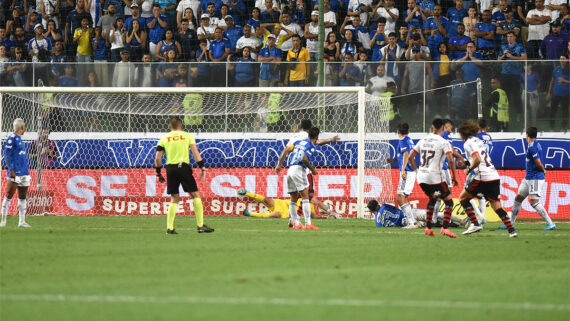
x: 486, y: 170
x: 432, y: 150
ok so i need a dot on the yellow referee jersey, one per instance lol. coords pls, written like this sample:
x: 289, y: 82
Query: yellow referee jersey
x: 176, y: 144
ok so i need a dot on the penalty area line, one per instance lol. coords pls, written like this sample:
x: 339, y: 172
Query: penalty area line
x: 283, y: 301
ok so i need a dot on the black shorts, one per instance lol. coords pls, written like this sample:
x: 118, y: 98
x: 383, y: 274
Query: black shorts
x: 491, y: 190
x: 440, y: 190
x: 177, y: 175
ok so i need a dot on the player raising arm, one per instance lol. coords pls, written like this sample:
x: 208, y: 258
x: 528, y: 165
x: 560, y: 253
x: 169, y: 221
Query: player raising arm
x: 433, y: 150
x: 177, y: 145
x: 18, y: 174
x: 482, y: 178
x: 531, y: 185
x: 297, y: 183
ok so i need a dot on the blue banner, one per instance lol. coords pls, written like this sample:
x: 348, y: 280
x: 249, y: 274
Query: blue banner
x: 256, y: 152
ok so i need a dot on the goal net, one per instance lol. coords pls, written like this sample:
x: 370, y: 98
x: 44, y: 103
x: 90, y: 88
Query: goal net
x: 92, y: 150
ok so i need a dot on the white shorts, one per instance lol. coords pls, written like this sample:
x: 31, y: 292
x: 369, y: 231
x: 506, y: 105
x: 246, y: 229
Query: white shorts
x: 405, y: 186
x: 531, y: 188
x: 447, y: 177
x: 296, y: 179
x: 22, y: 181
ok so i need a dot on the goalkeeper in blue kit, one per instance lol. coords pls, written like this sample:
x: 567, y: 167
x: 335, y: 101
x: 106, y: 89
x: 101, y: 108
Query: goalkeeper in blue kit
x: 15, y: 156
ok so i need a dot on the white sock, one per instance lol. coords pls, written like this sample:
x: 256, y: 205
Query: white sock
x: 482, y: 206
x: 5, y: 207
x: 22, y: 205
x: 476, y: 209
x: 293, y: 212
x: 542, y: 212
x: 306, y: 211
x: 407, y: 209
x: 436, y: 211
x: 515, y: 212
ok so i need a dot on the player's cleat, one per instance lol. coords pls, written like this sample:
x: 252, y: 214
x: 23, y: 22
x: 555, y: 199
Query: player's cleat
x: 311, y: 227
x: 245, y: 213
x: 290, y: 223
x: 410, y: 226
x: 513, y: 234
x: 502, y: 227
x: 173, y: 231
x: 28, y: 225
x: 446, y: 231
x: 472, y: 229
x: 204, y: 229
x: 241, y: 192
x: 2, y: 224
x: 429, y: 231
x: 299, y: 227
x: 550, y: 227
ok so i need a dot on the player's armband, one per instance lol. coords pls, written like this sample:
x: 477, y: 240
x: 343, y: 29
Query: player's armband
x: 159, y: 148
x: 201, y: 164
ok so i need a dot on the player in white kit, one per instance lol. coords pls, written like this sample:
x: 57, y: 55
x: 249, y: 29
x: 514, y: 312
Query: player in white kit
x: 433, y: 150
x: 482, y: 178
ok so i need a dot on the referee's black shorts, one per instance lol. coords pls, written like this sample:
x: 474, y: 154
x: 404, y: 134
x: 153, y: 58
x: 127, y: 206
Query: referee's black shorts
x: 180, y: 175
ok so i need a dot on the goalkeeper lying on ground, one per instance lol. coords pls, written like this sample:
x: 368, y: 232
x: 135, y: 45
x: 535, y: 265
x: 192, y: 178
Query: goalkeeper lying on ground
x: 279, y: 208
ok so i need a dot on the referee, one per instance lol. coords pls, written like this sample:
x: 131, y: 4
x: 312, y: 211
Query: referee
x: 178, y: 171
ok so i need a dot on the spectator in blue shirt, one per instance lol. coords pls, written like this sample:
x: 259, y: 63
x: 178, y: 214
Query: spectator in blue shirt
x: 458, y: 44
x: 510, y: 71
x: 188, y: 40
x: 68, y: 79
x: 564, y: 19
x: 378, y: 39
x: 530, y: 82
x: 270, y: 56
x: 100, y: 47
x: 169, y: 9
x: 554, y: 44
x: 414, y: 16
x: 498, y: 14
x: 237, y: 11
x: 459, y: 97
x: 255, y: 19
x: 485, y: 33
x: 427, y: 7
x: 349, y: 74
x: 436, y: 22
x: 455, y: 16
x: 232, y: 33
x: 156, y: 26
x: 136, y: 15
x: 270, y: 15
x: 245, y: 70
x: 559, y: 93
x: 203, y: 68
x: 219, y: 51
x: 509, y: 24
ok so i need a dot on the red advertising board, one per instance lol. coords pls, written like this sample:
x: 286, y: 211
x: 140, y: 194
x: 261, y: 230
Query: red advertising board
x: 137, y: 192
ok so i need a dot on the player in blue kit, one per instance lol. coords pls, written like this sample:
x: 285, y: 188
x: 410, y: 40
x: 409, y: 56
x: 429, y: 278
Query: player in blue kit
x: 15, y: 156
x: 531, y: 185
x: 297, y: 182
x: 407, y: 173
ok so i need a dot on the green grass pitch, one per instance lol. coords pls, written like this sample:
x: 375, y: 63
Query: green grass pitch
x: 126, y: 268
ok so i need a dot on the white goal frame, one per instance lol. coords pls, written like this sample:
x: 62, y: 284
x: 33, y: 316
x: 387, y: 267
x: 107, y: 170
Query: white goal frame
x: 360, y: 91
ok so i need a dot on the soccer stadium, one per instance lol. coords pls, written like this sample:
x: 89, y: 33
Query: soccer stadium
x: 279, y: 160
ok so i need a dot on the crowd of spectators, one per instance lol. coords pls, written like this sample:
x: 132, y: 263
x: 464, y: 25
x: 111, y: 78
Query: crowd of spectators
x: 269, y: 31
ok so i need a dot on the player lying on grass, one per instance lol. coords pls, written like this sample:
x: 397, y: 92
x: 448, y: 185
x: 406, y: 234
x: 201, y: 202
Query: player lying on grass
x: 482, y: 178
x: 279, y: 208
x: 433, y: 149
x: 419, y: 215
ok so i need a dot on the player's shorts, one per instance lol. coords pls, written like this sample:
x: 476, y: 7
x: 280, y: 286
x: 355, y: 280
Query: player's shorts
x: 447, y: 177
x: 282, y: 206
x: 310, y: 179
x: 405, y: 186
x: 491, y: 190
x: 531, y: 188
x: 440, y: 190
x: 180, y: 175
x: 21, y: 181
x: 296, y: 179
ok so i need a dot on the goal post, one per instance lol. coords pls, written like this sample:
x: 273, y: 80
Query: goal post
x: 104, y: 139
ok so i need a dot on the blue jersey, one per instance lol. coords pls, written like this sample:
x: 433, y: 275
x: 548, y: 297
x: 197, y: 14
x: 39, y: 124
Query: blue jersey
x: 15, y: 155
x: 388, y: 216
x: 302, y: 148
x: 487, y: 140
x: 445, y: 136
x: 404, y: 145
x: 534, y: 152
